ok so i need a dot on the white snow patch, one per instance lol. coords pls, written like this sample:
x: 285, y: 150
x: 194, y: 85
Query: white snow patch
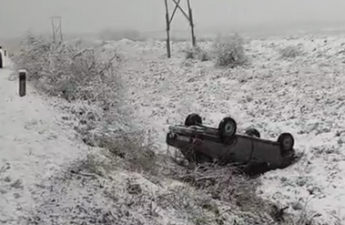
x: 34, y: 145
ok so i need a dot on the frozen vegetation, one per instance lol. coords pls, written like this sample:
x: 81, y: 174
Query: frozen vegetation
x: 87, y: 143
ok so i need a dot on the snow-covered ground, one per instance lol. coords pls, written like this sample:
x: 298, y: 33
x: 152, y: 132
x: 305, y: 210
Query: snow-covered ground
x: 304, y: 95
x: 45, y: 173
x: 34, y: 145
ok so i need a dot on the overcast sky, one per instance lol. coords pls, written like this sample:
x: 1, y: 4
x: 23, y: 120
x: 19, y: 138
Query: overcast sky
x: 17, y: 16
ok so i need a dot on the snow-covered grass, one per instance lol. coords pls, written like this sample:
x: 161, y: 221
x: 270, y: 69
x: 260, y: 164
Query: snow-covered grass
x: 303, y: 96
x: 118, y: 180
x: 34, y: 146
x: 290, y: 52
x: 122, y: 174
x: 230, y: 51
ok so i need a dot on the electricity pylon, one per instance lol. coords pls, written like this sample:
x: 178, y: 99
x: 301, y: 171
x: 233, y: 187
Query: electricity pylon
x: 56, y: 29
x: 169, y: 19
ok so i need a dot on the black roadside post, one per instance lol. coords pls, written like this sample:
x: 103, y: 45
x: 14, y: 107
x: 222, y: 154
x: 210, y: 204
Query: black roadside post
x: 1, y: 61
x: 22, y: 83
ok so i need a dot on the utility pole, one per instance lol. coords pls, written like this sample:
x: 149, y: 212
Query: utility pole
x: 56, y: 29
x: 169, y: 20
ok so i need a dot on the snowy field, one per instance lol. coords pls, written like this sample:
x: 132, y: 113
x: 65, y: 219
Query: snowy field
x: 303, y: 95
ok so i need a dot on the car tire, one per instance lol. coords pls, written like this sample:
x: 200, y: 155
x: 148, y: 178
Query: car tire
x: 1, y: 61
x: 253, y: 132
x: 193, y: 119
x: 227, y: 129
x: 286, y: 142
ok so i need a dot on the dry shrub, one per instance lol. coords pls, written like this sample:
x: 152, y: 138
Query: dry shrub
x: 70, y: 72
x: 87, y: 78
x: 290, y: 52
x: 147, y: 201
x: 229, y: 51
x: 193, y: 203
x: 136, y: 148
x: 197, y: 53
x: 225, y: 183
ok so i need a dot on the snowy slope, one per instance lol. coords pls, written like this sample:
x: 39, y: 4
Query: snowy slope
x: 33, y: 146
x: 304, y: 96
x: 45, y: 177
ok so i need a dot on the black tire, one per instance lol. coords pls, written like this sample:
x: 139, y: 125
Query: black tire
x: 193, y: 119
x: 286, y: 142
x: 253, y: 132
x: 1, y: 61
x: 227, y: 129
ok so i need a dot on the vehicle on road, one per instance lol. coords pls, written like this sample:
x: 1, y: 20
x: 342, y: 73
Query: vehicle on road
x: 223, y: 145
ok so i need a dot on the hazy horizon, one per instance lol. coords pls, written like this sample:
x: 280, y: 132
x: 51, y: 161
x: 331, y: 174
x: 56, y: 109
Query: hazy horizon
x: 91, y: 16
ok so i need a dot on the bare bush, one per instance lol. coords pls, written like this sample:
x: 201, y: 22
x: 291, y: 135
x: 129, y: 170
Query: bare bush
x: 136, y: 148
x: 227, y: 184
x: 197, y: 200
x: 122, y: 197
x: 197, y: 53
x: 123, y: 141
x: 229, y: 51
x: 70, y: 72
x: 87, y: 78
x: 290, y: 52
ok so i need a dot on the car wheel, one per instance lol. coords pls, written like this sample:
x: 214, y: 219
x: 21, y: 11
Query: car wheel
x: 286, y: 141
x: 227, y: 129
x: 253, y: 132
x: 193, y: 119
x: 1, y: 61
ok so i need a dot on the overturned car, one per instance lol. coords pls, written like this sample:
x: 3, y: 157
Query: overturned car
x: 201, y: 144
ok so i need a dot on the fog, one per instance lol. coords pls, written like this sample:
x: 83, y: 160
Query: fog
x: 87, y: 16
